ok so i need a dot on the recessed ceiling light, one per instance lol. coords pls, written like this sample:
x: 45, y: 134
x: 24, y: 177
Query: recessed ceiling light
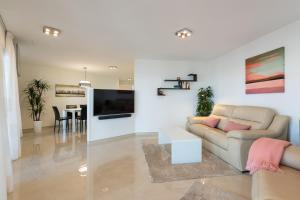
x: 183, y: 33
x: 113, y: 67
x: 51, y: 31
x: 129, y: 79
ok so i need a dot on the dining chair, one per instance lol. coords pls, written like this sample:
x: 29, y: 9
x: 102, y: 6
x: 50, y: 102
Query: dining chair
x: 59, y: 118
x: 83, y: 117
x: 69, y: 114
x: 78, y: 114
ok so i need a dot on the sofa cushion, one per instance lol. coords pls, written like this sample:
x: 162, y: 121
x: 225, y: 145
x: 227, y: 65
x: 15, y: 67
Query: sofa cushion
x: 223, y: 121
x: 223, y: 110
x: 257, y: 117
x: 216, y: 136
x: 276, y: 185
x: 210, y: 121
x: 253, y: 125
x: 198, y: 129
x: 233, y: 126
x: 195, y: 120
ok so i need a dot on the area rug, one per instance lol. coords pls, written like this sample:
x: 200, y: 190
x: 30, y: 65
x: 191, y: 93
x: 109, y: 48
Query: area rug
x: 199, y: 191
x: 161, y: 170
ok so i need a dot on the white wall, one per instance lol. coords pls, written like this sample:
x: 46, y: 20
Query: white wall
x: 55, y: 75
x: 229, y: 75
x: 154, y: 112
x: 102, y: 129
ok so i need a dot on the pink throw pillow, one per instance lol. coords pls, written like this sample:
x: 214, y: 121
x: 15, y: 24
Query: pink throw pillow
x: 232, y: 126
x: 210, y: 121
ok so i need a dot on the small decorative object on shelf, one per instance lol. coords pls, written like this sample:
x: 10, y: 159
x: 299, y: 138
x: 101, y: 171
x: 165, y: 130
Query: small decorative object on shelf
x: 194, y: 76
x: 184, y: 84
x: 181, y: 84
x: 160, y: 93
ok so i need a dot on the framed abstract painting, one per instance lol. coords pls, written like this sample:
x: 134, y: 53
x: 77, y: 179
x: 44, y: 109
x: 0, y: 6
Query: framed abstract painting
x: 69, y: 91
x: 265, y: 72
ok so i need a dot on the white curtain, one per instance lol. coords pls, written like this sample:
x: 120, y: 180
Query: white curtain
x: 6, y: 172
x: 13, y: 112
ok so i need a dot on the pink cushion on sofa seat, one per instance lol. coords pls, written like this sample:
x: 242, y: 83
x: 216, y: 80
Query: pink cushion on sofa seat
x: 210, y: 121
x: 232, y: 126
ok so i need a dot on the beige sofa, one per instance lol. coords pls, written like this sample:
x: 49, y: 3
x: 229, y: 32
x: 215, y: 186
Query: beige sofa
x: 282, y: 185
x: 233, y: 146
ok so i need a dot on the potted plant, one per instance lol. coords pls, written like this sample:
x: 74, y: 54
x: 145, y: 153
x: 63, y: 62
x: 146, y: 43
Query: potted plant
x: 36, y: 103
x: 205, y: 102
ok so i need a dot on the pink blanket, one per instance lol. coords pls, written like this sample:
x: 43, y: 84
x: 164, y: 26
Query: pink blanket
x: 265, y: 153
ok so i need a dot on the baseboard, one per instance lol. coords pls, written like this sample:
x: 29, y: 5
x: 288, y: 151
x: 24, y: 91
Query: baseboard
x: 141, y: 134
x: 111, y: 139
x: 30, y: 130
x: 146, y: 133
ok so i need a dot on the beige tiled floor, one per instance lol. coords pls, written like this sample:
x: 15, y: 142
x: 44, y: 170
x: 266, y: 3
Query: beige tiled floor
x: 52, y: 167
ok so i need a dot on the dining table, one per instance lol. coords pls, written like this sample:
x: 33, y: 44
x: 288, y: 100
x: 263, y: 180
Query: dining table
x: 73, y: 111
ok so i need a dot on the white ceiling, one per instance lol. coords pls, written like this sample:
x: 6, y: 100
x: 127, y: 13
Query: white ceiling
x: 99, y: 33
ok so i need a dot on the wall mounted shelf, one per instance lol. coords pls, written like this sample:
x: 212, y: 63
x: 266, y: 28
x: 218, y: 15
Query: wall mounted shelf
x: 183, y: 84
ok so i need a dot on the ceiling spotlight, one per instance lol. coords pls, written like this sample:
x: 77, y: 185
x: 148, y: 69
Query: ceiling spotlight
x: 113, y: 67
x: 183, y: 33
x: 55, y: 33
x: 51, y: 31
x: 47, y: 31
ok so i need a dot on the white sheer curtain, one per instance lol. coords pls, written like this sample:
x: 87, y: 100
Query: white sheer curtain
x: 6, y: 172
x: 11, y: 92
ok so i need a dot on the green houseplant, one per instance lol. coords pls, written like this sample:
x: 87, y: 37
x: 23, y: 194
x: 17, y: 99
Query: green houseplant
x: 34, y: 92
x: 205, y: 102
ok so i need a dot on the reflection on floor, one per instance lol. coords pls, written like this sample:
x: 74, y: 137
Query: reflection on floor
x: 63, y: 167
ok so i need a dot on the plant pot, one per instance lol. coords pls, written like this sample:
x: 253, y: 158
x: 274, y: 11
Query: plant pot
x: 37, y: 126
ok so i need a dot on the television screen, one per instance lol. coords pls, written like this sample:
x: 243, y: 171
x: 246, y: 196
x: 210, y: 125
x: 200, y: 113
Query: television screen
x: 110, y: 102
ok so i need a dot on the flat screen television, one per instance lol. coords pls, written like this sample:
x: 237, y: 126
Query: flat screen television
x: 112, y: 102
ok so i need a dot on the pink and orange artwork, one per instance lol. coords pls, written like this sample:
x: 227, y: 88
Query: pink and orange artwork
x: 265, y: 72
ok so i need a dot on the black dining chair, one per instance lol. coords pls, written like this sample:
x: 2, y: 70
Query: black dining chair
x: 82, y: 105
x: 69, y: 114
x: 77, y: 114
x: 83, y: 117
x: 59, y: 118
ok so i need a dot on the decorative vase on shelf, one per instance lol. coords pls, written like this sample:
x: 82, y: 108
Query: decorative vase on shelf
x: 37, y: 126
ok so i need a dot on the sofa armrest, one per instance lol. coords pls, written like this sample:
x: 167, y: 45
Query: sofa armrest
x: 252, y: 134
x: 195, y: 120
x: 291, y: 157
x: 239, y: 143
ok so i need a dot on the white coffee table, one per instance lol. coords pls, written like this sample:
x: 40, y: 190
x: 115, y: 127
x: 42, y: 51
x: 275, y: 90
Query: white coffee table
x: 186, y: 147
